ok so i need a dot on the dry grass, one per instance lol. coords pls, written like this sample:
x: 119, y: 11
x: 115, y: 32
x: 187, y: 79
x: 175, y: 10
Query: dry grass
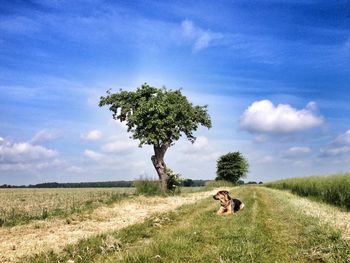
x: 22, y: 205
x: 55, y: 234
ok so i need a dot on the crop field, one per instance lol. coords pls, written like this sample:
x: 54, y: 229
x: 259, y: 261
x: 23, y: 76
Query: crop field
x: 275, y: 226
x: 334, y: 189
x: 22, y: 205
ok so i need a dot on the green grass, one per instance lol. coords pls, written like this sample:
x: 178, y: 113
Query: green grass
x: 268, y: 230
x: 219, y: 183
x: 146, y: 186
x: 333, y: 189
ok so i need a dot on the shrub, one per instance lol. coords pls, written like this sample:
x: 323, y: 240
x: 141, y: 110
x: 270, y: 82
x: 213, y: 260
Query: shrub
x: 147, y: 186
x: 174, y: 181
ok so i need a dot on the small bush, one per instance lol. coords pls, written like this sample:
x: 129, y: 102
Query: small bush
x: 174, y: 182
x: 147, y: 186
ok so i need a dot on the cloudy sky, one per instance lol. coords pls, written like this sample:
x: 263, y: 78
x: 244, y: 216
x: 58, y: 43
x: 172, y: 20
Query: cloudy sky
x: 275, y: 76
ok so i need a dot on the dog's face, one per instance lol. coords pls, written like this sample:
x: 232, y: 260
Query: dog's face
x: 222, y: 196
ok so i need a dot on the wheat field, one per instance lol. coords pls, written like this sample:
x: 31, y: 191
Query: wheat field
x: 22, y: 205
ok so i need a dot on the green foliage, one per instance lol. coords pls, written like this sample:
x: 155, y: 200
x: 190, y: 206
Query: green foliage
x: 187, y: 183
x: 156, y: 116
x: 240, y: 182
x: 333, y: 189
x: 231, y: 167
x: 146, y: 186
x: 174, y: 181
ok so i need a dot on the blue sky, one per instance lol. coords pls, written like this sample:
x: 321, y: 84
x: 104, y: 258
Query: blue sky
x: 274, y: 74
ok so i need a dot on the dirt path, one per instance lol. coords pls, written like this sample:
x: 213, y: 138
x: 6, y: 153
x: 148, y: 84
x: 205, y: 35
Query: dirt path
x: 55, y: 234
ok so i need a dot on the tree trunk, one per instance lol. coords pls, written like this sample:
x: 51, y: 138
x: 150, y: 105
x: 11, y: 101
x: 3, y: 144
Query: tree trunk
x: 159, y: 165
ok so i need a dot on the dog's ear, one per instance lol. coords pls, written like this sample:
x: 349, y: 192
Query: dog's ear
x: 227, y: 194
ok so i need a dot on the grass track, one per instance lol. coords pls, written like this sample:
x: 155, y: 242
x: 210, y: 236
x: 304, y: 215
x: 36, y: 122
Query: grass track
x: 268, y: 230
x: 333, y: 189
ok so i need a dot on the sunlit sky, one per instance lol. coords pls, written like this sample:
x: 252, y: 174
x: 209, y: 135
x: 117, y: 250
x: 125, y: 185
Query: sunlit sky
x: 275, y: 76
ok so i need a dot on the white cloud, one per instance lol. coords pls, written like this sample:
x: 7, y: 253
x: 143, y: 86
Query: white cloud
x: 203, y: 41
x: 24, y: 152
x: 93, y: 135
x: 120, y: 146
x: 343, y: 138
x: 297, y: 151
x: 264, y: 117
x: 340, y: 146
x: 266, y: 159
x: 198, y: 146
x: 56, y: 163
x: 188, y: 28
x: 44, y: 136
x: 201, y: 38
x: 93, y: 155
x: 74, y: 169
x: 118, y: 124
x: 335, y: 151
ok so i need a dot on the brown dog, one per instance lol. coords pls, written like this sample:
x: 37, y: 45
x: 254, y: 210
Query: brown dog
x: 228, y: 204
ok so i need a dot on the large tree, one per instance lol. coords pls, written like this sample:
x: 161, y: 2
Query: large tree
x: 231, y: 167
x: 157, y: 117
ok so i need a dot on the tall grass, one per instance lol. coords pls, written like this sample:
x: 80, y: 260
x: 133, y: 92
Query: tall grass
x: 147, y: 186
x: 334, y: 189
x: 219, y: 183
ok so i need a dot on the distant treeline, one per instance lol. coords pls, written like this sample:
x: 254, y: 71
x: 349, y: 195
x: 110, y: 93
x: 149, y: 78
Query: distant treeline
x: 186, y: 183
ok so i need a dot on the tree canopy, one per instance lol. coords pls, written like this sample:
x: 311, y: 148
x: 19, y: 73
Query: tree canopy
x: 231, y: 167
x: 158, y: 117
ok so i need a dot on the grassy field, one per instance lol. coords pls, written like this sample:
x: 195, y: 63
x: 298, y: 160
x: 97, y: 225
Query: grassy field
x: 19, y: 206
x: 333, y: 189
x: 23, y: 205
x: 269, y: 229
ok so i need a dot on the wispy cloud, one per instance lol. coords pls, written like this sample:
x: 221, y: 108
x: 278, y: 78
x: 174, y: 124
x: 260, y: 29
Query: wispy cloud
x: 340, y: 146
x: 93, y: 155
x: 120, y: 146
x: 297, y: 151
x: 93, y: 135
x: 18, y: 25
x: 199, y: 37
x: 44, y: 136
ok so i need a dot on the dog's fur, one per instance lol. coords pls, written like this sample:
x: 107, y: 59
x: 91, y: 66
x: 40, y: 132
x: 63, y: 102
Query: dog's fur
x: 228, y: 205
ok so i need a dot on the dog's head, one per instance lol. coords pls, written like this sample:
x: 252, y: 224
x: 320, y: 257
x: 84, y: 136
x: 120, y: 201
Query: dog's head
x: 222, y: 196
